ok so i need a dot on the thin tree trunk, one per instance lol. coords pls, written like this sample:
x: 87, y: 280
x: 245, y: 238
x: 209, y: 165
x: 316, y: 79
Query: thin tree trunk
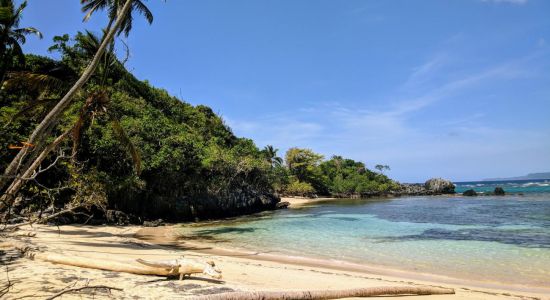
x: 327, y: 294
x: 54, y: 114
x: 13, y: 189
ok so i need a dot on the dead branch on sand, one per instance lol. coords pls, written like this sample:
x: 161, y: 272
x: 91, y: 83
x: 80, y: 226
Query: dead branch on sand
x: 70, y: 290
x: 328, y: 294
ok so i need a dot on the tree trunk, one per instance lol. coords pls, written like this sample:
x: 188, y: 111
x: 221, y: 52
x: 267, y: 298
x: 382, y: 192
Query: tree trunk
x: 54, y: 114
x: 175, y: 267
x: 13, y: 189
x: 327, y: 294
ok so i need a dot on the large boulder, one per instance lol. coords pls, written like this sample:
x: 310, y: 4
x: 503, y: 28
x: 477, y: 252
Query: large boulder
x: 440, y: 186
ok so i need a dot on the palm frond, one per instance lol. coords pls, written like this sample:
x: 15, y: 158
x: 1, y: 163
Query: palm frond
x: 6, y: 14
x: 143, y: 10
x: 35, y: 82
x: 29, y: 30
x: 91, y: 6
x: 18, y: 13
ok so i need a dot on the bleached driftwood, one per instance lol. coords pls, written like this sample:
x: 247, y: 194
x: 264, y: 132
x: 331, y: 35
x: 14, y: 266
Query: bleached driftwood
x: 328, y: 294
x: 186, y: 266
x: 176, y: 267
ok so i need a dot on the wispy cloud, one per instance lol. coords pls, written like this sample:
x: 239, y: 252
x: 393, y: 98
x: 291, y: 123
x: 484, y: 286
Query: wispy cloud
x: 389, y: 135
x: 520, y: 2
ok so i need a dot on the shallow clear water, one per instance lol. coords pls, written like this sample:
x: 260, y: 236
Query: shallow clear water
x: 504, y: 239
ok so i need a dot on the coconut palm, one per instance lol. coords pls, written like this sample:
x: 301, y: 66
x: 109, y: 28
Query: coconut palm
x: 271, y: 156
x: 123, y: 15
x: 11, y: 37
x: 95, y: 106
x: 112, y: 6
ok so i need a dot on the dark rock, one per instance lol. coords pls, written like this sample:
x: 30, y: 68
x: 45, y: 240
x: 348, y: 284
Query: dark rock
x: 440, y: 186
x: 119, y: 218
x: 155, y: 223
x: 499, y: 191
x: 283, y: 204
x: 469, y: 193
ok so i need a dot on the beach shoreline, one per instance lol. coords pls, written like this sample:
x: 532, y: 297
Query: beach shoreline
x: 241, y: 271
x: 167, y: 236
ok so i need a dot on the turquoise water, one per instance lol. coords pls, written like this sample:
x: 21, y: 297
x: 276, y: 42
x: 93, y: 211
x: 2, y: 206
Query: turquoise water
x: 510, y: 186
x: 499, y: 239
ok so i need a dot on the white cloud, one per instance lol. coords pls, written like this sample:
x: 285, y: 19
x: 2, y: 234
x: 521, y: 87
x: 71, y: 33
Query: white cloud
x: 459, y: 148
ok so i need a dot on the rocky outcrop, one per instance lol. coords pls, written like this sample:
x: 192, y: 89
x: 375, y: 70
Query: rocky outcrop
x: 414, y: 189
x: 282, y: 205
x: 469, y: 193
x: 434, y: 186
x: 440, y: 186
x: 499, y: 191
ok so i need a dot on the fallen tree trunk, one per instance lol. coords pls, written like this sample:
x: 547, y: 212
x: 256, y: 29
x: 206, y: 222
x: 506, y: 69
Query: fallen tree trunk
x: 328, y: 294
x: 176, y: 267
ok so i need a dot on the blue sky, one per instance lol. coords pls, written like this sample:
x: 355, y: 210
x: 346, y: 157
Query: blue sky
x: 458, y: 89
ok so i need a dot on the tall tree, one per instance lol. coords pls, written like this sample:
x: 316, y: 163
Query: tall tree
x: 271, y: 155
x: 96, y: 105
x: 382, y: 168
x: 123, y: 9
x: 112, y: 6
x: 301, y: 162
x: 11, y: 37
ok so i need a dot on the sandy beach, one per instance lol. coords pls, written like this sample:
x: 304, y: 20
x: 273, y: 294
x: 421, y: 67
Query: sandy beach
x: 241, y: 272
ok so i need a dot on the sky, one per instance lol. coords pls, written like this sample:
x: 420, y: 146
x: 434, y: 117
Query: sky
x: 456, y: 89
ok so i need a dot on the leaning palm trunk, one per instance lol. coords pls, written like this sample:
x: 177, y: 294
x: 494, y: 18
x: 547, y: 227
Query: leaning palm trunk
x: 328, y: 294
x: 18, y: 182
x: 53, y: 116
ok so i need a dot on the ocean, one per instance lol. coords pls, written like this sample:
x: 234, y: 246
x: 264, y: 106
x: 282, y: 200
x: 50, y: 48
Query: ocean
x: 497, y: 239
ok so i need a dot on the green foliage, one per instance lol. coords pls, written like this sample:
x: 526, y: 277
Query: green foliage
x: 191, y: 163
x: 140, y: 150
x: 299, y: 188
x: 337, y: 176
x: 11, y: 37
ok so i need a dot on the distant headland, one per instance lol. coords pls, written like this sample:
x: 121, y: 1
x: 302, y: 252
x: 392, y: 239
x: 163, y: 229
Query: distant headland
x: 542, y: 175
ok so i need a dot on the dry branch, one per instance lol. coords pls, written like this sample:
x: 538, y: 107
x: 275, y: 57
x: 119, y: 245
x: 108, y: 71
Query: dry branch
x: 70, y: 290
x: 328, y: 294
x: 42, y: 220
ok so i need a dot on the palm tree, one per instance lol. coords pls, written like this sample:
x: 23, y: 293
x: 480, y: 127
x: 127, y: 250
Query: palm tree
x: 96, y: 105
x: 122, y: 15
x: 11, y: 37
x: 271, y: 156
x: 92, y: 6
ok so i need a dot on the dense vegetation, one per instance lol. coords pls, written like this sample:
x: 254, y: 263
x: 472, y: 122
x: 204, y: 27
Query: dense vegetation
x: 124, y: 145
x: 306, y: 174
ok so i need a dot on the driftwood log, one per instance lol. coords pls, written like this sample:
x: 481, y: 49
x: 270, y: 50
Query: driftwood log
x: 183, y: 266
x: 176, y: 267
x: 328, y: 294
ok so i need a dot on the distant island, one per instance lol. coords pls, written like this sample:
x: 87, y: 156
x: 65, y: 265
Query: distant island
x: 542, y: 175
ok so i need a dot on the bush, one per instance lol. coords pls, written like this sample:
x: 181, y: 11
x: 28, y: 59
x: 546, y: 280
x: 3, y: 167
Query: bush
x: 298, y: 188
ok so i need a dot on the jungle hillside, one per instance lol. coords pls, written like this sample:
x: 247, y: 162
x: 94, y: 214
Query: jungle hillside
x: 83, y: 140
